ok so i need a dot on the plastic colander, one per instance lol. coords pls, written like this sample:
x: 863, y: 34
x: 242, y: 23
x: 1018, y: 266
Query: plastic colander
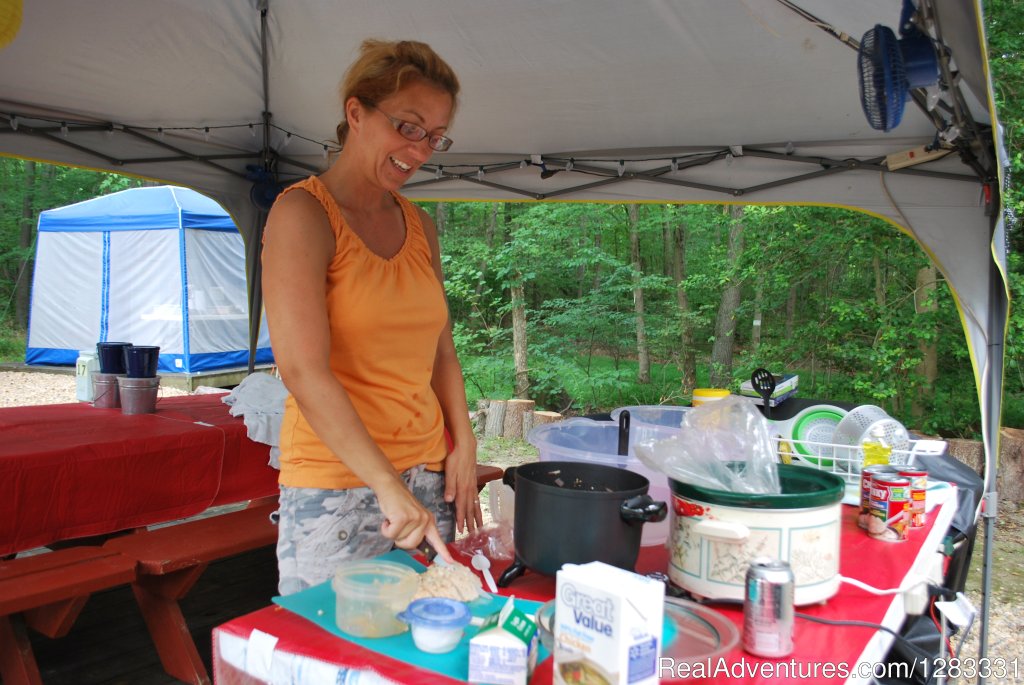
x: 816, y: 424
x: 863, y: 421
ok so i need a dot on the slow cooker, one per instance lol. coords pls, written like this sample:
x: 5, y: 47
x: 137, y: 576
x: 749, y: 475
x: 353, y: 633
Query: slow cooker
x: 715, y: 535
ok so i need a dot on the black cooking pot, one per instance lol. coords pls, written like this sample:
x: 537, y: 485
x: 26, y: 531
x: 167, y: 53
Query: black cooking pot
x: 571, y: 512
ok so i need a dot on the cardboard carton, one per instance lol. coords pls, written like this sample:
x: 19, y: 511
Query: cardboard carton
x: 504, y: 651
x: 608, y: 625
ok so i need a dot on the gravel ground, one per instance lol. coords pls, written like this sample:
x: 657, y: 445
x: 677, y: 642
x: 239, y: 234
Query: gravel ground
x: 1006, y: 611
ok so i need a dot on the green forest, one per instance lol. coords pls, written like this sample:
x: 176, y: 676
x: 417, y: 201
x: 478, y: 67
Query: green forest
x: 585, y: 307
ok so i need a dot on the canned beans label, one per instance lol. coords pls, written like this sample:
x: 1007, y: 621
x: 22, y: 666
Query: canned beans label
x: 918, y: 487
x: 890, y: 509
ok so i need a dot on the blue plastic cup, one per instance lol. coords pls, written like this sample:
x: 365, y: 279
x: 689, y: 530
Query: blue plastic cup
x: 112, y: 357
x: 141, y: 360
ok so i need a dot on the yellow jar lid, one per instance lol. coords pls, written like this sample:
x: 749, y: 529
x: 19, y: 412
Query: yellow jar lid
x: 710, y: 392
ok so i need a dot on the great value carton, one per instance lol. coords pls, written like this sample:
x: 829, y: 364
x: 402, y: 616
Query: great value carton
x: 504, y: 650
x: 608, y: 625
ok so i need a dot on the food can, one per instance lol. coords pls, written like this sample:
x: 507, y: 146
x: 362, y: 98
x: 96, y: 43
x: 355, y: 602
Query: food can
x: 768, y: 608
x: 865, y: 489
x: 890, y: 508
x: 918, y: 485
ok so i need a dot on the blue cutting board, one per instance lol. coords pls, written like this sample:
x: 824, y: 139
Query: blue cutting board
x: 317, y: 604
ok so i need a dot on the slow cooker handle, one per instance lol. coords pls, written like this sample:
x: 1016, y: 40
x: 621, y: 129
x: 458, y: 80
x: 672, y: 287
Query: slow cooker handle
x: 727, y: 531
x: 643, y: 508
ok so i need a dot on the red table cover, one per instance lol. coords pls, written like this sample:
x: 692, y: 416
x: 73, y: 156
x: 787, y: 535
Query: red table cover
x: 823, y: 653
x: 72, y: 470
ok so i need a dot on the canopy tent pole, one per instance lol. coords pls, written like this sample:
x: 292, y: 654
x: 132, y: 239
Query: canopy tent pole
x: 254, y: 246
x: 992, y: 392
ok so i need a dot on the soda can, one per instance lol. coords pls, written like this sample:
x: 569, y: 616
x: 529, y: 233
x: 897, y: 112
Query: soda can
x: 768, y: 608
x: 890, y: 508
x: 865, y: 489
x: 918, y: 485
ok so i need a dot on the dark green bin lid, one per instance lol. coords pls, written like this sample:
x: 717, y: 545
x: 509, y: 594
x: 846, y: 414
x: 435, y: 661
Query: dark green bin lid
x: 802, y: 487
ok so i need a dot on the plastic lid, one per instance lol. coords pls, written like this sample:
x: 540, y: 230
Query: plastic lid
x: 802, y: 487
x: 437, y: 612
x: 694, y: 633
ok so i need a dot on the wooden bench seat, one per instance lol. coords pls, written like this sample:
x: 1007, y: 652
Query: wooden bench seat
x: 485, y: 473
x: 47, y: 593
x: 168, y: 562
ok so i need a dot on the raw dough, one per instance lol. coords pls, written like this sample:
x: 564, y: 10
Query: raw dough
x: 454, y: 582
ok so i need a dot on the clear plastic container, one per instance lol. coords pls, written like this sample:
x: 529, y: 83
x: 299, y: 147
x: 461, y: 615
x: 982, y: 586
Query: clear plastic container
x: 369, y: 596
x: 596, y: 442
x: 652, y: 421
x: 437, y: 623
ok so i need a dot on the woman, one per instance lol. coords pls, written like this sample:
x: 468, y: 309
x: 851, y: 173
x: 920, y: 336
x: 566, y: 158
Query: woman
x: 359, y: 325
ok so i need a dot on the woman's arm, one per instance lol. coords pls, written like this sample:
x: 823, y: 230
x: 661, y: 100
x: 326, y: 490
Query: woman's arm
x: 450, y: 388
x: 297, y: 250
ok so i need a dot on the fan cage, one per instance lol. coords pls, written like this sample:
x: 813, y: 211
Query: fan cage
x: 883, y: 79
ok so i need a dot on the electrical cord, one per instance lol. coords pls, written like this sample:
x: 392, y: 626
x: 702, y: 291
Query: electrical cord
x: 865, y: 624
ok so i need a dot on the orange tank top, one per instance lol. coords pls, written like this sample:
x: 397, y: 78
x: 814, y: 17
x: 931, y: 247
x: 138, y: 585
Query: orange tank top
x: 386, y: 316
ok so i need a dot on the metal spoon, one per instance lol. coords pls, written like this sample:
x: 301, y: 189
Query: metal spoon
x: 483, y: 564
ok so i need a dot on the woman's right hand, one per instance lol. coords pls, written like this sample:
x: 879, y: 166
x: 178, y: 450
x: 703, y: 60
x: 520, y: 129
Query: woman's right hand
x: 407, y: 521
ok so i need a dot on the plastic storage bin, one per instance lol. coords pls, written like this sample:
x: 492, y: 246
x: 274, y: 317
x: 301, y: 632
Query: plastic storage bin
x: 596, y: 442
x: 652, y: 421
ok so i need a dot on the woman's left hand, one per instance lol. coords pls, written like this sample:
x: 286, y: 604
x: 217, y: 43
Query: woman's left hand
x: 460, y: 487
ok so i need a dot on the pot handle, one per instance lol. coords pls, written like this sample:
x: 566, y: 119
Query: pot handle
x: 643, y: 508
x: 509, y: 477
x: 726, y: 531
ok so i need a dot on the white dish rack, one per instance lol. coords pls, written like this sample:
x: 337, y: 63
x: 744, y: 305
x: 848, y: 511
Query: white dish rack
x: 845, y: 460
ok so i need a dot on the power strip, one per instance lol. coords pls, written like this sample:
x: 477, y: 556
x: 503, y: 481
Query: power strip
x: 917, y: 155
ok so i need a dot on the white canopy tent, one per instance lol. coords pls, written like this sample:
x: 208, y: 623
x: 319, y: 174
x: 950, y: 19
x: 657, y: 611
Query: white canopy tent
x: 749, y: 101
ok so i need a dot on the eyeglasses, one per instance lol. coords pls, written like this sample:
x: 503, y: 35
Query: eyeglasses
x: 416, y: 133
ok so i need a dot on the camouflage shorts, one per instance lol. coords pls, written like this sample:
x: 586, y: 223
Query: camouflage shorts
x: 320, y: 528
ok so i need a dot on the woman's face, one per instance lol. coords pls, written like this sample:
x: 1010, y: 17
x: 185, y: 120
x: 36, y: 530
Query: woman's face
x: 395, y: 158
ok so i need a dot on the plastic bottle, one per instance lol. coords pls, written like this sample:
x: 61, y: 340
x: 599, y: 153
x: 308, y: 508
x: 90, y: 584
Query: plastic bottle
x: 875, y: 447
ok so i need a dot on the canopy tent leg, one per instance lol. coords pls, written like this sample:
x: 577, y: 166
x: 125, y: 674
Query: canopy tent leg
x: 254, y: 272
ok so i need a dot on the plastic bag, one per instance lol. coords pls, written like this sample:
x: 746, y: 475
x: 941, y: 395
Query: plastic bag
x: 493, y: 540
x: 723, y: 445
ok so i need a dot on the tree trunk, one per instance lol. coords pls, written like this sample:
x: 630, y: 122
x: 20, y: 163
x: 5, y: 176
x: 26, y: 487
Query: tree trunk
x: 515, y: 412
x: 491, y: 231
x: 688, y: 355
x: 23, y: 277
x: 522, y: 382
x: 725, y: 321
x: 755, y: 332
x: 643, y: 353
x: 790, y: 312
x: 928, y: 369
x: 441, y: 217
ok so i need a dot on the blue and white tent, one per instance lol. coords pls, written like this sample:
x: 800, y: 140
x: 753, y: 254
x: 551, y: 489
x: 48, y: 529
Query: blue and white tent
x: 151, y: 266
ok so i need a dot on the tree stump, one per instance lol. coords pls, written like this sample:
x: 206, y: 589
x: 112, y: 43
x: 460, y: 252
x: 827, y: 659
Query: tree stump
x: 1011, y: 464
x: 478, y: 418
x: 542, y: 417
x: 514, y: 412
x: 495, y: 419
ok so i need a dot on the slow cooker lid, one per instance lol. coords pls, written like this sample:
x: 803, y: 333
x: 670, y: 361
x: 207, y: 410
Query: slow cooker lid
x: 802, y: 487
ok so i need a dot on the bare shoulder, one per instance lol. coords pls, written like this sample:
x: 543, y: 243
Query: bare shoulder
x: 295, y: 210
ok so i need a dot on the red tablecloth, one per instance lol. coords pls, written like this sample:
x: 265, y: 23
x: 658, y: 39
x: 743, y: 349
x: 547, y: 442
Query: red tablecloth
x: 71, y: 470
x: 823, y: 653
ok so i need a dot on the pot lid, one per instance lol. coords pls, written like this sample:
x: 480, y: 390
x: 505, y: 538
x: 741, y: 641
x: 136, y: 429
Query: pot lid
x: 694, y: 634
x: 803, y: 487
